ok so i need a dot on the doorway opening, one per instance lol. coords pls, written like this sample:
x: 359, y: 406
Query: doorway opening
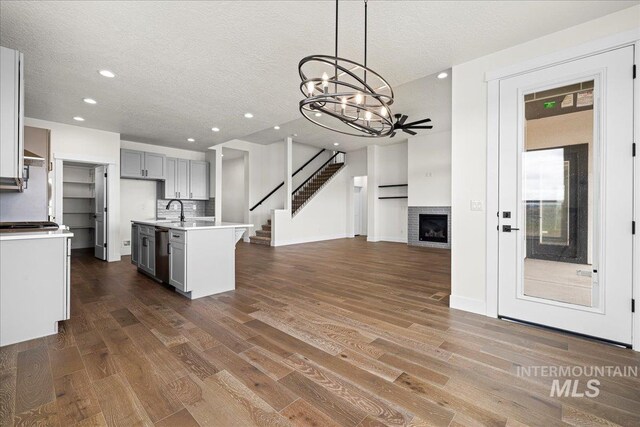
x: 85, y: 205
x: 360, y: 206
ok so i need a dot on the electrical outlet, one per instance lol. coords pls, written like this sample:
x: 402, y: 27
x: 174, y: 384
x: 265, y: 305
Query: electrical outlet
x: 195, y: 207
x: 428, y: 174
x: 476, y: 205
x: 126, y: 243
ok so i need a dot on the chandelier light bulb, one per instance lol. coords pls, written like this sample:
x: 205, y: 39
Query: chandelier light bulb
x: 344, y: 103
x: 325, y: 81
x: 310, y: 87
x: 358, y: 98
x: 367, y: 115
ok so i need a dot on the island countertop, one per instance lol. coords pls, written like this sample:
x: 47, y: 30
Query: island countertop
x: 28, y: 235
x: 191, y: 225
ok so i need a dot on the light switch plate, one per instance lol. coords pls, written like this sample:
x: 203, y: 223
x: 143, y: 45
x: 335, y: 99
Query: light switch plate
x: 476, y: 205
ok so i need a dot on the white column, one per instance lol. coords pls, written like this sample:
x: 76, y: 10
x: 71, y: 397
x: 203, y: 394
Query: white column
x: 372, y: 193
x: 218, y: 184
x: 288, y: 170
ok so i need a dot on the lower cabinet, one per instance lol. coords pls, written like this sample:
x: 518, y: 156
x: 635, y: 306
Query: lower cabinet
x: 135, y: 246
x: 147, y: 257
x: 178, y: 265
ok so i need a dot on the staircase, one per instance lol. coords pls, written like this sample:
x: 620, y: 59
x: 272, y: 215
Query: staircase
x: 262, y: 237
x: 302, y: 195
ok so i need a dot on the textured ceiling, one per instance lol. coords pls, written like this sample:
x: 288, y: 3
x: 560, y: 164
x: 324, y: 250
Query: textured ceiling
x: 183, y: 67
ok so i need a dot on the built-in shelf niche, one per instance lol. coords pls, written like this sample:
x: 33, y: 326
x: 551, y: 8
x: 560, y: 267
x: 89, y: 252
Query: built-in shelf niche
x: 395, y: 194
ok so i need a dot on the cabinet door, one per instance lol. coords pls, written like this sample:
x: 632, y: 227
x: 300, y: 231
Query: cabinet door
x: 11, y: 100
x: 178, y: 265
x: 131, y: 164
x: 182, y: 178
x: 144, y: 243
x: 199, y: 180
x: 135, y: 256
x: 170, y: 181
x: 154, y: 165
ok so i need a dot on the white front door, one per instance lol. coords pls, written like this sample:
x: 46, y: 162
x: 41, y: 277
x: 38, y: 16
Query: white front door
x: 100, y: 215
x: 566, y: 194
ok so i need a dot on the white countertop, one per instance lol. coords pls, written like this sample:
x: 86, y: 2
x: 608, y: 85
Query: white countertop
x: 56, y: 234
x: 192, y: 224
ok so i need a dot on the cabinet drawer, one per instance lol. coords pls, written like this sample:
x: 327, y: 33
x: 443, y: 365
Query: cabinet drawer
x: 176, y: 236
x: 146, y: 229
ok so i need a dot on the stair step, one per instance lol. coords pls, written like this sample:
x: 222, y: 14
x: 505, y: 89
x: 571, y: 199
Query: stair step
x: 266, y: 227
x: 268, y: 222
x: 260, y: 240
x: 263, y: 233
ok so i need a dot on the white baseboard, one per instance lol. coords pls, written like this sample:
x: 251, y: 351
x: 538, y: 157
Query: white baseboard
x: 468, y: 304
x: 308, y: 240
x: 393, y: 239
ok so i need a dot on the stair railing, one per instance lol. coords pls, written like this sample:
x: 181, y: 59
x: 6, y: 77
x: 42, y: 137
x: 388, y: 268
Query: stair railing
x: 338, y: 157
x: 282, y: 183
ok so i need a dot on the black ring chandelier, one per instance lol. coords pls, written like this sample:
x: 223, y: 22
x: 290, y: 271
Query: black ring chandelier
x: 355, y: 95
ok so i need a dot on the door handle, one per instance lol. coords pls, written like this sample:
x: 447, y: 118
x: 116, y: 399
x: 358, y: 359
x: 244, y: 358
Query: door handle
x: 508, y: 228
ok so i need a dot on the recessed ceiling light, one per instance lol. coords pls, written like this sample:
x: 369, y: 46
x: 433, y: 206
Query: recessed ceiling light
x: 215, y: 129
x: 107, y: 73
x: 221, y: 155
x: 318, y: 114
x: 295, y: 134
x: 89, y: 101
x: 442, y: 75
x: 276, y: 127
x: 191, y: 140
x: 78, y: 119
x: 248, y: 115
x: 336, y: 143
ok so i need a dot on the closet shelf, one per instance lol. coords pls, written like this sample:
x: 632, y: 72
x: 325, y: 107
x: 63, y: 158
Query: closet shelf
x: 393, y: 185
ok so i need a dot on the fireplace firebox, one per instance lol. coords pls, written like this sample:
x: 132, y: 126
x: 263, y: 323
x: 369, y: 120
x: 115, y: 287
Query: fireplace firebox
x: 434, y: 228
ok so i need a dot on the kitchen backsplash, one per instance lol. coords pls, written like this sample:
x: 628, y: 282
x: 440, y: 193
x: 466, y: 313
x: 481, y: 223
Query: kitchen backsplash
x: 192, y: 208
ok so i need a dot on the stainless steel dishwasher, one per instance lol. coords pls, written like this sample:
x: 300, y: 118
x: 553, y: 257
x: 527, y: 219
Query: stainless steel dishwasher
x: 162, y: 254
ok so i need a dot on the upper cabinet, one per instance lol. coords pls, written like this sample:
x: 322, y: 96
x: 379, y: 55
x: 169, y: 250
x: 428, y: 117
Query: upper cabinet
x: 11, y: 114
x: 186, y: 179
x: 198, y: 180
x: 142, y: 165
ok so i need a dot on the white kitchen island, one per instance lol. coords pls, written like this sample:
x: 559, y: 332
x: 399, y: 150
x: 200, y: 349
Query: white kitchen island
x: 196, y: 257
x: 34, y: 284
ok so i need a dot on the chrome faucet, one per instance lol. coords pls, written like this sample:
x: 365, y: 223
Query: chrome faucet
x: 181, y: 208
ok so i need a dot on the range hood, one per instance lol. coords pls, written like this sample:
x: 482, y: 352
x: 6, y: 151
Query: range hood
x: 20, y: 184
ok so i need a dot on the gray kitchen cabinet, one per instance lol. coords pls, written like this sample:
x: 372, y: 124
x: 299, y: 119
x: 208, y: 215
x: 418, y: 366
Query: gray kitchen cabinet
x: 178, y: 265
x: 135, y: 247
x: 11, y: 114
x: 198, y: 180
x: 182, y: 178
x: 148, y: 253
x: 154, y: 165
x: 142, y: 165
x: 170, y: 181
x: 131, y: 164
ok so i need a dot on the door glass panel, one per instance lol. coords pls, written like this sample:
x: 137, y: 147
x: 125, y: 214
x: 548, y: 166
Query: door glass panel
x: 558, y: 185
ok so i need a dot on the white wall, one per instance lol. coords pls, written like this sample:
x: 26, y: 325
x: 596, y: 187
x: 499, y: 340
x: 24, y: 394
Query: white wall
x: 391, y: 214
x: 429, y: 169
x: 361, y: 182
x: 89, y: 145
x: 138, y: 197
x: 469, y: 147
x: 233, y: 206
x: 324, y: 217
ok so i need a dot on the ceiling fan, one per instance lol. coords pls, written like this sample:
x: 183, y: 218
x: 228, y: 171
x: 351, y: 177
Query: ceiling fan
x: 407, y: 127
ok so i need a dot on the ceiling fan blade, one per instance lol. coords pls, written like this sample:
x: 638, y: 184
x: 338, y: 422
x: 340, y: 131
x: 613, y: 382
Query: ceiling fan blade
x: 418, y: 122
x: 419, y: 127
x: 402, y: 119
x: 392, y: 135
x: 410, y: 132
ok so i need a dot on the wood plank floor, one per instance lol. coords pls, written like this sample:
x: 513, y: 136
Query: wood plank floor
x: 337, y: 333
